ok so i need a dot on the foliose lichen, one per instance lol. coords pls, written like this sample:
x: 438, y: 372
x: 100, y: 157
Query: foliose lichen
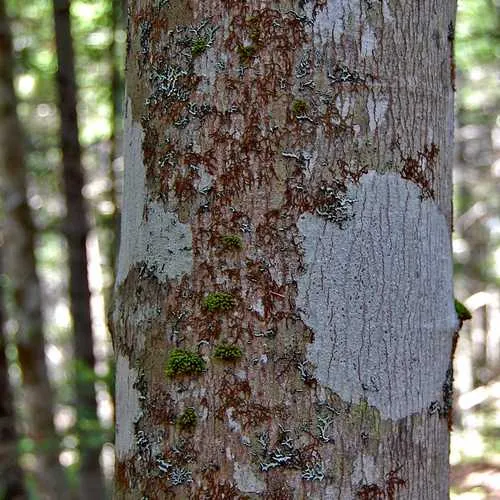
x: 218, y: 301
x: 183, y: 362
x: 227, y: 352
x: 462, y: 312
x: 187, y: 419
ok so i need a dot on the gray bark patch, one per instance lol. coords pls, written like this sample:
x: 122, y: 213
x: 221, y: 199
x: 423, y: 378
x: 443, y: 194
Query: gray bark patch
x: 149, y: 232
x: 246, y: 480
x: 127, y: 407
x: 378, y: 297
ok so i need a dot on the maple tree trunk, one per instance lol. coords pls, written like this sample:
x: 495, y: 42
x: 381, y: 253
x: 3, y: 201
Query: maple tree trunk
x: 283, y: 315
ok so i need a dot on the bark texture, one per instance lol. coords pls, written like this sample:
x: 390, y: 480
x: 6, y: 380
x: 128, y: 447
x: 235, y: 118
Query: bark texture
x: 20, y: 267
x: 91, y: 483
x: 284, y: 314
x: 11, y: 474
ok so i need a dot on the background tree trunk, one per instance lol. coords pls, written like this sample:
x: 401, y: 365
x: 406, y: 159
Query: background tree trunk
x: 91, y: 484
x: 284, y: 312
x: 116, y: 103
x: 20, y: 267
x: 11, y: 474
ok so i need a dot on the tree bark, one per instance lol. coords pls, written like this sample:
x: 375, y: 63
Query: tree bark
x: 283, y: 317
x: 11, y: 474
x: 20, y: 267
x: 91, y: 482
x: 116, y: 104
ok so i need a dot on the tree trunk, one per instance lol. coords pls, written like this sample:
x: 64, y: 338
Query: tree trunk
x: 11, y: 474
x: 20, y: 267
x: 91, y: 484
x: 116, y: 104
x: 284, y: 313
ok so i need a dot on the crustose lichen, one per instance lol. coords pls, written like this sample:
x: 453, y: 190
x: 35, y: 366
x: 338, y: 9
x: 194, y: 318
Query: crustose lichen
x: 218, y: 301
x: 183, y: 362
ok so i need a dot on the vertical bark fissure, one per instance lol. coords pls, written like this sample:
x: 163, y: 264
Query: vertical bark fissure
x: 76, y: 231
x: 301, y: 146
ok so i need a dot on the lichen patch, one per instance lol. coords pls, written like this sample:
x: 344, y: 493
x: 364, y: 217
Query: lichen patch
x: 246, y: 480
x: 127, y: 403
x: 154, y: 236
x: 377, y: 293
x: 376, y: 111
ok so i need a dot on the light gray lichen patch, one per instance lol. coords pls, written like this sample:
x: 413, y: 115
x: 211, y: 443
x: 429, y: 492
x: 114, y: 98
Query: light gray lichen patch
x: 368, y: 41
x: 364, y: 471
x: 377, y: 108
x: 150, y: 233
x: 164, y: 243
x: 378, y: 296
x: 127, y: 407
x: 246, y: 480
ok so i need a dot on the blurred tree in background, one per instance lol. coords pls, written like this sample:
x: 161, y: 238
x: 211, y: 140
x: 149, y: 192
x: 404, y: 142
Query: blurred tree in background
x: 476, y: 245
x: 99, y: 45
x: 21, y: 269
x: 98, y: 39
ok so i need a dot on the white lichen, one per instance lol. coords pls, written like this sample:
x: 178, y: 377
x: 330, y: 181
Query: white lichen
x: 150, y: 233
x: 246, y: 480
x: 232, y: 423
x: 377, y: 108
x: 127, y: 408
x: 378, y: 296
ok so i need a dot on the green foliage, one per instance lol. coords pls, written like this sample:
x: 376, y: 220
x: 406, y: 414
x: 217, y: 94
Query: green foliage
x: 462, y: 312
x: 227, y: 352
x: 299, y: 107
x: 187, y: 419
x: 183, y: 362
x: 218, y: 301
x: 477, y: 55
x: 232, y: 241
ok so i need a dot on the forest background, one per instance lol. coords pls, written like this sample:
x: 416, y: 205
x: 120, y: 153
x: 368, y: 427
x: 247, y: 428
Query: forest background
x: 82, y: 439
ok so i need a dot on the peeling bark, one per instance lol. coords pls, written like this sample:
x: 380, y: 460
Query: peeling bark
x: 303, y: 151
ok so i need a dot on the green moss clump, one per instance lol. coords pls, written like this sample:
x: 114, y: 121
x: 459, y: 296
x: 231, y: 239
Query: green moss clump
x: 187, y: 419
x: 218, y: 301
x: 198, y: 46
x: 462, y: 312
x: 246, y: 52
x: 227, y: 352
x: 183, y: 362
x: 299, y: 107
x: 232, y: 241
